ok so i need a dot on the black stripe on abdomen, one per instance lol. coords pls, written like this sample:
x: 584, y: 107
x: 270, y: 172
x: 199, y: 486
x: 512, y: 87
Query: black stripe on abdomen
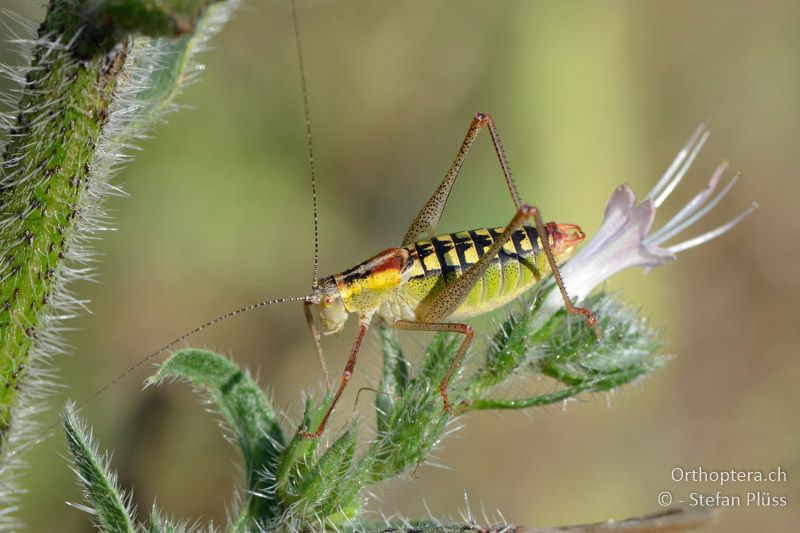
x: 463, y: 243
x: 533, y: 237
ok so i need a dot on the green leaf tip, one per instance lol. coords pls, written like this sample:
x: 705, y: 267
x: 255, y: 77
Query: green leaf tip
x: 331, y: 482
x: 110, y: 511
x: 319, y: 488
x: 298, y: 456
x: 247, y: 412
x: 158, y: 523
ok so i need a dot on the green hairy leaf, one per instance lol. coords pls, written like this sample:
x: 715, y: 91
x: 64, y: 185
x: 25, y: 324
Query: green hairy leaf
x: 248, y: 414
x: 110, y: 511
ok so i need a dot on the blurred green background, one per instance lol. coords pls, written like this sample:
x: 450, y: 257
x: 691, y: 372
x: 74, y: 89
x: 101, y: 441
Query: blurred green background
x: 587, y: 95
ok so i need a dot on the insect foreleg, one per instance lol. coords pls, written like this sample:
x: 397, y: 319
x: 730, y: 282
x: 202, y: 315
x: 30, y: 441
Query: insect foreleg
x: 464, y: 329
x: 312, y: 329
x: 427, y: 219
x: 346, y: 375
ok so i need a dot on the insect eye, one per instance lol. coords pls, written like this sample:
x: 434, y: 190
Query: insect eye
x: 328, y: 300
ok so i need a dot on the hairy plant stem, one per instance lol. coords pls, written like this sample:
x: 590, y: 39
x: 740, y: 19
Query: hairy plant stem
x: 47, y: 165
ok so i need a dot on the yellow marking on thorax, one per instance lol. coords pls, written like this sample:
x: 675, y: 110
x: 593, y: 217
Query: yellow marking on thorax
x: 369, y: 292
x: 375, y: 282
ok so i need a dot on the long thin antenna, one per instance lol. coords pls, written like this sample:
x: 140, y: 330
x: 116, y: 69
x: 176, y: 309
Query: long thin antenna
x: 185, y: 336
x: 309, y: 146
x: 152, y: 356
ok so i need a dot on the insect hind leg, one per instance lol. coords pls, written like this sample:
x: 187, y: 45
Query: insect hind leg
x: 427, y: 219
x: 449, y: 299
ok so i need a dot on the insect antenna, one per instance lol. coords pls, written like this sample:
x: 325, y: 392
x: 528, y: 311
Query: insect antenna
x: 49, y: 431
x: 309, y: 145
x: 198, y: 329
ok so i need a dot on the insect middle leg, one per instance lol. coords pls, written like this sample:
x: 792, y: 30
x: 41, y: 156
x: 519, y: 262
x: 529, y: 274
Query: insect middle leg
x: 464, y: 329
x: 312, y: 329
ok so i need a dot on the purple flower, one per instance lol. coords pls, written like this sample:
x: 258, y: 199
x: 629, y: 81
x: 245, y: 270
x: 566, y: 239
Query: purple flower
x: 625, y: 239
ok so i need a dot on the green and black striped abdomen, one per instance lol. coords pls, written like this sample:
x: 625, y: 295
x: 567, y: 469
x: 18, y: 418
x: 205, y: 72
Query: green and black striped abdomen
x: 444, y: 258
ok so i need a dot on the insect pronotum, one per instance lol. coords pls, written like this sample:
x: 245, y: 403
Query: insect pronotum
x: 430, y: 282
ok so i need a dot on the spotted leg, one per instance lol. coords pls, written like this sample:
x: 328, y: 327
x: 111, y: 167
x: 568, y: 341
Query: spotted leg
x: 424, y: 224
